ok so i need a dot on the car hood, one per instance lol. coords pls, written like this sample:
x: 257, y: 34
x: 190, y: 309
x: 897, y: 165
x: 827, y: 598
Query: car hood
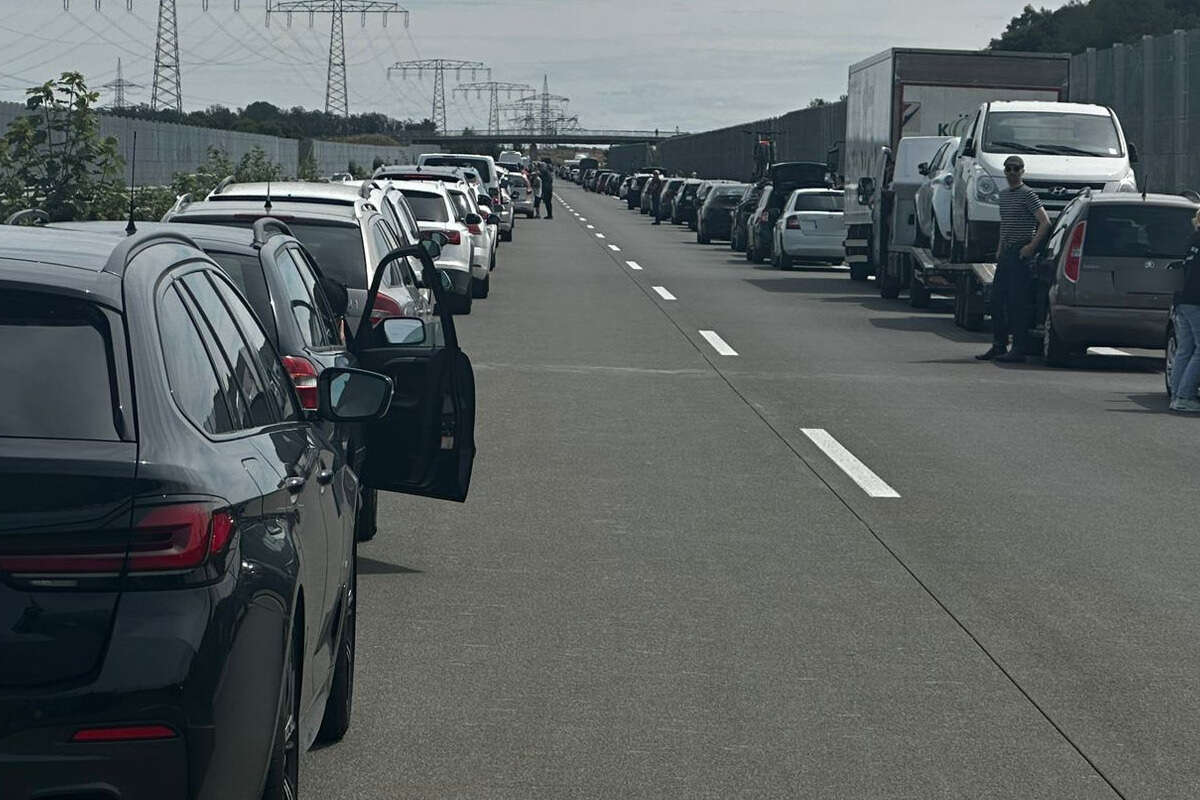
x: 1069, y: 168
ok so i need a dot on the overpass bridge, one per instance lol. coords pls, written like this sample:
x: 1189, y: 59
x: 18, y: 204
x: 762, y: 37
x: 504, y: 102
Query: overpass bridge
x: 564, y: 137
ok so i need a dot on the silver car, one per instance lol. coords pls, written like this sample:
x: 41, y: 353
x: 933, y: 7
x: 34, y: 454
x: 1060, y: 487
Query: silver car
x: 521, y: 192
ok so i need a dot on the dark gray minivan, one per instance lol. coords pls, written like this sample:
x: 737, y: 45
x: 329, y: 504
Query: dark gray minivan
x: 1104, y: 272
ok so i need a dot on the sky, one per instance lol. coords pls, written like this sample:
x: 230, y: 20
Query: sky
x: 626, y: 64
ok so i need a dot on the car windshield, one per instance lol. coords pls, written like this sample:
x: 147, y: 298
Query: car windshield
x: 427, y: 207
x: 1051, y: 133
x: 59, y: 358
x: 1138, y: 231
x: 478, y: 164
x: 819, y: 202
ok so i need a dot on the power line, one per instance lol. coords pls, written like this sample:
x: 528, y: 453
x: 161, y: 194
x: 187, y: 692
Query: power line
x: 118, y: 88
x: 493, y: 88
x: 439, y: 66
x: 335, y: 84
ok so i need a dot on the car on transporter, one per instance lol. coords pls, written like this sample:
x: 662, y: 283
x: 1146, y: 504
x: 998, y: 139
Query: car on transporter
x: 178, y: 574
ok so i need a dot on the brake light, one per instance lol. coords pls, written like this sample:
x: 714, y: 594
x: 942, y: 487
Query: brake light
x: 452, y: 236
x: 304, y: 378
x: 475, y: 229
x: 164, y: 537
x: 383, y: 308
x: 793, y: 223
x: 1075, y: 252
x: 126, y: 733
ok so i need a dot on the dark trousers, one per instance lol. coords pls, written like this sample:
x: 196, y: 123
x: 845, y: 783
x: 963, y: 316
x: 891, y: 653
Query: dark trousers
x: 548, y: 199
x: 655, y: 205
x: 1011, y: 301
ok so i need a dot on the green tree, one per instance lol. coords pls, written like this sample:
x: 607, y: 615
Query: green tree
x: 1076, y: 26
x: 255, y: 167
x: 54, y: 157
x: 308, y: 169
x: 206, y: 177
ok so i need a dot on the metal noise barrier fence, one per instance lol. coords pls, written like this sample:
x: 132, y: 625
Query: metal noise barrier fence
x: 810, y: 134
x: 165, y: 148
x: 1154, y: 86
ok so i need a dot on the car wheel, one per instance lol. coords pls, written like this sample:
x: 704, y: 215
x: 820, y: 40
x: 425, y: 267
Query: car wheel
x: 939, y: 246
x: 918, y: 295
x: 749, y: 251
x: 340, y: 703
x: 1055, y: 352
x: 366, y: 524
x: 859, y: 270
x: 480, y: 288
x: 701, y: 236
x: 506, y: 237
x: 462, y: 304
x: 889, y: 285
x: 1169, y: 361
x: 971, y: 251
x: 283, y: 771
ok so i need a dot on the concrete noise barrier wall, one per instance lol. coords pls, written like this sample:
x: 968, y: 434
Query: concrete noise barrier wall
x: 334, y: 157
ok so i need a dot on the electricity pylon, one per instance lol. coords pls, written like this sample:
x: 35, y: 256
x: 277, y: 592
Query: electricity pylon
x: 439, y: 66
x: 118, y: 88
x: 493, y: 88
x: 166, y: 92
x: 336, y: 87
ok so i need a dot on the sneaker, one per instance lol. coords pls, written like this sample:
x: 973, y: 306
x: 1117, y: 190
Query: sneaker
x: 993, y: 351
x: 1185, y: 406
x: 1013, y: 356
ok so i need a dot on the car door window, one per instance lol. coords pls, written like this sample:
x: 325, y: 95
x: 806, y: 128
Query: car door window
x: 314, y: 328
x: 191, y: 374
x: 308, y: 274
x: 402, y: 270
x: 278, y: 384
x: 260, y: 410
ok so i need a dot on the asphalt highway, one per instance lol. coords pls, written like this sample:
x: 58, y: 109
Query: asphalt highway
x: 737, y: 532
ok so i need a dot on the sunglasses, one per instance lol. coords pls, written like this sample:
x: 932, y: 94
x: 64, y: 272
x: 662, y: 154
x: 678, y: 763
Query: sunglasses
x: 1014, y: 169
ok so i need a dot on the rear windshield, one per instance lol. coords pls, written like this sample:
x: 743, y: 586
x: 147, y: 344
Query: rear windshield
x: 480, y: 165
x: 57, y: 356
x: 808, y: 174
x: 819, y: 202
x: 427, y: 207
x: 690, y: 189
x: 337, y: 249
x: 1138, y: 231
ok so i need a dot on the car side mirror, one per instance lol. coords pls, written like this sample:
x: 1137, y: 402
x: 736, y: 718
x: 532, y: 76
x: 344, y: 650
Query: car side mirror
x: 473, y: 219
x: 1133, y: 153
x: 923, y: 168
x: 353, y: 395
x: 433, y: 247
x: 493, y: 219
x: 403, y: 330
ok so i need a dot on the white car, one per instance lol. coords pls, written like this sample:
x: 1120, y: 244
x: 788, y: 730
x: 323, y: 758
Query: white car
x: 935, y: 197
x: 484, y: 236
x: 484, y: 165
x: 435, y: 211
x: 810, y: 228
x: 1066, y: 147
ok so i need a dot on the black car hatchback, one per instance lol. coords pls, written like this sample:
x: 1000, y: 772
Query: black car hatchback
x: 177, y: 552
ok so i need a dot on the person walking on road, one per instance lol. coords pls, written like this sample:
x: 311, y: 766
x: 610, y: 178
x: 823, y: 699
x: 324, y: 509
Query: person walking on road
x: 1023, y: 225
x: 654, y: 187
x: 535, y: 180
x: 1185, y: 369
x: 548, y: 189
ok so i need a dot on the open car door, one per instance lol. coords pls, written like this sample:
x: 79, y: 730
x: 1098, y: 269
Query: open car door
x: 425, y: 443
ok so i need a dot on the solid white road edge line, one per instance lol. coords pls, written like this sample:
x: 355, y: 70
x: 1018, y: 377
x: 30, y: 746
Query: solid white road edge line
x: 633, y: 265
x: 859, y: 472
x: 720, y: 345
x: 663, y: 293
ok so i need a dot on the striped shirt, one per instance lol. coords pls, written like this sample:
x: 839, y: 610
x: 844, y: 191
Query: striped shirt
x: 1018, y: 216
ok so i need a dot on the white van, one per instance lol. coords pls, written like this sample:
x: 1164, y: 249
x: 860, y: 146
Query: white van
x: 484, y: 165
x: 511, y: 159
x: 1067, y: 147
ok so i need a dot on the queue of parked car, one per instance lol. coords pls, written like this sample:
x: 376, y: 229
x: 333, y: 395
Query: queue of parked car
x: 203, y: 413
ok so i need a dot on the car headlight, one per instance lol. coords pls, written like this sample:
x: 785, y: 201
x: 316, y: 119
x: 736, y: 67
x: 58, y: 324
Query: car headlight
x: 986, y: 190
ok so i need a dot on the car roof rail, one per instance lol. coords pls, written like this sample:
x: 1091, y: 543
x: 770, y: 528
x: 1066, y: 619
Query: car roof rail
x: 181, y: 202
x: 220, y: 187
x: 1190, y: 194
x: 364, y: 190
x: 266, y: 227
x: 134, y: 243
x: 26, y: 216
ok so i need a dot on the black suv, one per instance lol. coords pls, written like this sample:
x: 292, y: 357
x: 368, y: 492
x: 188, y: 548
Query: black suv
x: 177, y: 553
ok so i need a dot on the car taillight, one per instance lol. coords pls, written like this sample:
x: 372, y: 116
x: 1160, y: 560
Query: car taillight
x: 304, y: 378
x: 452, y: 236
x: 165, y: 536
x: 1074, y: 252
x: 475, y: 229
x: 384, y: 307
x: 793, y: 223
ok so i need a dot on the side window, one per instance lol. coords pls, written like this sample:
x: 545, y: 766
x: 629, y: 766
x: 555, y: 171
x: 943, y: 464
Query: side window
x: 314, y: 329
x: 242, y: 363
x: 381, y: 245
x: 278, y: 383
x: 308, y: 274
x: 190, y: 371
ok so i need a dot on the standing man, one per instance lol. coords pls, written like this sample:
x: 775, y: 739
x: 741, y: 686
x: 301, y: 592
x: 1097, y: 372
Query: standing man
x: 1023, y: 226
x: 535, y: 181
x: 654, y: 187
x: 548, y: 189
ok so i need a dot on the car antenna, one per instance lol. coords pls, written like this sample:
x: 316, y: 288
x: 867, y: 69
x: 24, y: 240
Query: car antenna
x: 131, y: 228
x: 267, y: 205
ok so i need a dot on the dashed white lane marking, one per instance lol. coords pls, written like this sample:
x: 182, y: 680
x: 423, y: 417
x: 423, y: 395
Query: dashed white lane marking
x: 859, y: 472
x: 720, y: 345
x: 665, y: 295
x: 600, y: 236
x: 583, y: 219
x: 1106, y: 351
x: 633, y: 265
x: 614, y: 248
x: 591, y: 227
